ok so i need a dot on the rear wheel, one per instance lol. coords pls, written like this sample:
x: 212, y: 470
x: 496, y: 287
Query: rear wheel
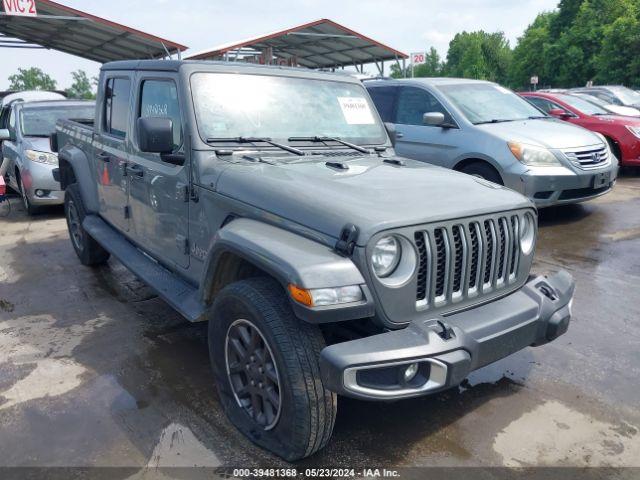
x: 88, y: 250
x: 265, y: 363
x: 483, y: 170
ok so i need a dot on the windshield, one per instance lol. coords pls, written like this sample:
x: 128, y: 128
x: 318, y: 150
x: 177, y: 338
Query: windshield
x: 41, y: 121
x: 591, y: 99
x: 484, y: 102
x: 626, y: 95
x: 237, y: 105
x: 581, y: 105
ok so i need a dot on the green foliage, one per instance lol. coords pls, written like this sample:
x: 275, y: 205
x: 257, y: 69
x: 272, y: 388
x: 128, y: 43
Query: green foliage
x: 531, y: 51
x: 433, y: 67
x: 81, y: 88
x: 31, y: 79
x: 479, y: 55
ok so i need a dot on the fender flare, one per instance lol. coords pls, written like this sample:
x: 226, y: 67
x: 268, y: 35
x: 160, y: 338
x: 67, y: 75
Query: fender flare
x: 83, y: 174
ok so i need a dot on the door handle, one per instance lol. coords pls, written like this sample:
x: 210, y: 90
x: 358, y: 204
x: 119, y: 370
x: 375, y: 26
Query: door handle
x: 104, y: 156
x: 135, y: 170
x: 399, y: 134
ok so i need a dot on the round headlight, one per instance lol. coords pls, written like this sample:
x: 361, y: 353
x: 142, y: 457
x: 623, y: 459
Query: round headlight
x: 527, y: 233
x: 386, y: 256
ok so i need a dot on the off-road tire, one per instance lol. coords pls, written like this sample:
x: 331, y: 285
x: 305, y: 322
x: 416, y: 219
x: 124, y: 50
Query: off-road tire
x: 308, y: 410
x: 88, y: 250
x: 483, y: 170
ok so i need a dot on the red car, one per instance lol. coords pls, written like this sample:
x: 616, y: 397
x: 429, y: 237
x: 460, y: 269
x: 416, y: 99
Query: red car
x: 622, y: 133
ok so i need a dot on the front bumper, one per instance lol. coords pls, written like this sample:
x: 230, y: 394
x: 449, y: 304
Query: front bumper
x: 448, y: 348
x: 41, y: 177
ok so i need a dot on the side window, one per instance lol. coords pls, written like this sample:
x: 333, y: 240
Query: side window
x: 159, y: 98
x: 543, y: 104
x: 414, y: 102
x: 384, y: 98
x: 116, y: 106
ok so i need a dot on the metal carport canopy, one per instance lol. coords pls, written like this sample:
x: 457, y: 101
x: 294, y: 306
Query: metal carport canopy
x: 66, y: 29
x: 320, y: 44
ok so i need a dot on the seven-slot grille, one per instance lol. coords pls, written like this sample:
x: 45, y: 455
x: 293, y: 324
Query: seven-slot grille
x: 466, y: 259
x: 589, y: 158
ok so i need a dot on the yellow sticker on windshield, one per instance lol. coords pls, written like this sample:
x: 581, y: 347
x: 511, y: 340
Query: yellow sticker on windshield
x: 356, y: 110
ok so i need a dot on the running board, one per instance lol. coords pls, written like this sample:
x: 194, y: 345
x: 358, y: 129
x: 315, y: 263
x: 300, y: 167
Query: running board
x: 175, y: 291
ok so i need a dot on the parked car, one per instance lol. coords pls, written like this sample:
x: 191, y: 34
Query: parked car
x: 26, y: 149
x: 324, y: 263
x: 609, y: 107
x: 615, y: 94
x: 486, y: 130
x: 622, y: 133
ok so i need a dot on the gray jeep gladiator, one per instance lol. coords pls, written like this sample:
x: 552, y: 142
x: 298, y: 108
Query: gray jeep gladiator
x: 269, y: 202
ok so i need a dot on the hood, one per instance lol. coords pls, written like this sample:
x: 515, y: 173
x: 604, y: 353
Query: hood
x: 371, y: 194
x: 41, y: 144
x: 549, y: 133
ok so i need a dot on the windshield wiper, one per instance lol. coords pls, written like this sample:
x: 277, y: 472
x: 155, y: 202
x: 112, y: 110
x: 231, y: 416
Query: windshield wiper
x: 256, y: 140
x: 329, y: 139
x: 495, y: 120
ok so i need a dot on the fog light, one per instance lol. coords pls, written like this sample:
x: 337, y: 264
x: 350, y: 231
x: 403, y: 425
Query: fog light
x: 39, y: 193
x: 410, y: 372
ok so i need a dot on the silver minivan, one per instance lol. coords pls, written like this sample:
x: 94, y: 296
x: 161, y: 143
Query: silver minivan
x: 26, y: 153
x: 486, y: 130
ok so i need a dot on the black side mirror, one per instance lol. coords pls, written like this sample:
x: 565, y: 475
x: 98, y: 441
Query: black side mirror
x: 53, y: 142
x: 391, y: 131
x: 155, y: 134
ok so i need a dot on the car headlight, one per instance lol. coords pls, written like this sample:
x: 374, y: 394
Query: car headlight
x: 42, y: 157
x: 533, y: 155
x: 386, y: 256
x: 634, y: 130
x: 527, y: 234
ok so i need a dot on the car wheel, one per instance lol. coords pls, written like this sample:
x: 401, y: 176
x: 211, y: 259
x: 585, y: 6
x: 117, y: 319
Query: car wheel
x: 88, y: 250
x: 483, y: 170
x: 29, y: 208
x: 265, y: 364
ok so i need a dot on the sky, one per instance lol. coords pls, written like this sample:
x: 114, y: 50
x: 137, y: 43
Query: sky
x: 406, y: 25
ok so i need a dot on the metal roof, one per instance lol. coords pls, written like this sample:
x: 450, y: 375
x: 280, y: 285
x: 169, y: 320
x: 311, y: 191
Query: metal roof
x: 79, y: 33
x: 320, y: 44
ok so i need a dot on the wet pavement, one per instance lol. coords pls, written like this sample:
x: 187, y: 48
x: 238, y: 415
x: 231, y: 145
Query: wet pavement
x: 97, y: 371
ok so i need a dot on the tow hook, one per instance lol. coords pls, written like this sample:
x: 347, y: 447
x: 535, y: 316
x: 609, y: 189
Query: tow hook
x: 442, y: 328
x: 547, y: 291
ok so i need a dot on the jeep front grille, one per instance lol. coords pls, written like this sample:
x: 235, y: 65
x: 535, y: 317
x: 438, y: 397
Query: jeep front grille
x: 466, y: 259
x: 589, y: 158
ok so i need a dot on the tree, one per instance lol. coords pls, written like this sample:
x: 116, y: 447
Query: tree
x: 623, y: 35
x: 530, y: 54
x: 81, y: 87
x: 31, y: 79
x: 479, y: 55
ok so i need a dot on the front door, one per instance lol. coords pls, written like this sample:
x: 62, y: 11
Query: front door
x: 159, y: 194
x: 111, y: 148
x: 432, y: 144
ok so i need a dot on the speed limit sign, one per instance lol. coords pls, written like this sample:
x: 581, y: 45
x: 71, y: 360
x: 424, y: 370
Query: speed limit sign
x: 418, y: 58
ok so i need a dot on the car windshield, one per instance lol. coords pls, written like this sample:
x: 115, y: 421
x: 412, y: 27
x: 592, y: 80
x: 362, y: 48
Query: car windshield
x: 41, y: 121
x: 591, y: 99
x: 485, y: 103
x: 581, y: 105
x: 626, y: 95
x: 238, y: 105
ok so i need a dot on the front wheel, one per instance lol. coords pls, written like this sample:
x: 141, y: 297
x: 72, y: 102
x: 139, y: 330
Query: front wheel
x: 28, y: 206
x: 265, y: 363
x: 483, y: 170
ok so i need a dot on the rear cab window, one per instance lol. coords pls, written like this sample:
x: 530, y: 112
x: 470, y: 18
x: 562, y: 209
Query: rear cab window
x: 116, y: 106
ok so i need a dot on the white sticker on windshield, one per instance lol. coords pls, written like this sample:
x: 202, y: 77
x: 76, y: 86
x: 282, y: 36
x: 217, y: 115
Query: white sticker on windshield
x: 356, y: 110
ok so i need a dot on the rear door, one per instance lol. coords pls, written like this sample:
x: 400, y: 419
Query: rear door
x: 111, y: 146
x: 159, y: 195
x: 432, y: 144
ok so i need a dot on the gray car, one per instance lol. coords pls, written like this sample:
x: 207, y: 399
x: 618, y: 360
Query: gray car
x: 26, y: 149
x: 270, y: 202
x: 485, y: 130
